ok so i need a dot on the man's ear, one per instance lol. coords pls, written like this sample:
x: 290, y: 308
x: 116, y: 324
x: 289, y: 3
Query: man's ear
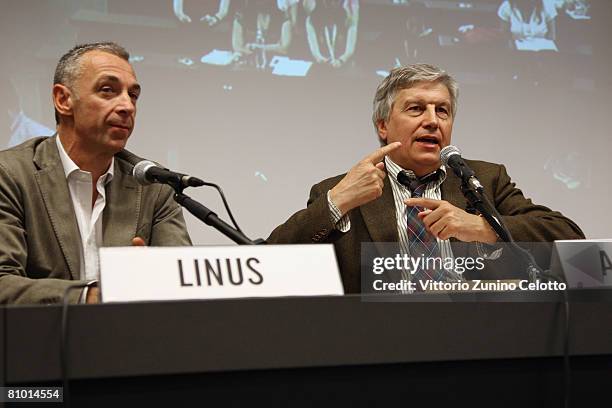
x: 382, y: 130
x: 63, y: 99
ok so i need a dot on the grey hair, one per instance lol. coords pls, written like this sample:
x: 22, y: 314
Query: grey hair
x: 405, y: 77
x: 69, y: 66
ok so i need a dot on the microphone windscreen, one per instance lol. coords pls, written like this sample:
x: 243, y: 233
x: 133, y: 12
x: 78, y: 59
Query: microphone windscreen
x: 447, y: 152
x: 140, y: 171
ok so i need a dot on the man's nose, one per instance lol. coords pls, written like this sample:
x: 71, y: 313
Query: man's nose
x: 430, y: 118
x: 125, y: 105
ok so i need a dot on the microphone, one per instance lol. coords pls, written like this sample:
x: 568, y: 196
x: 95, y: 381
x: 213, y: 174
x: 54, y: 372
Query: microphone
x: 476, y: 197
x: 147, y: 172
x: 451, y: 156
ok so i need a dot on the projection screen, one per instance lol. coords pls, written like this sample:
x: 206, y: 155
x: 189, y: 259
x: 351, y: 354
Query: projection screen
x: 266, y: 98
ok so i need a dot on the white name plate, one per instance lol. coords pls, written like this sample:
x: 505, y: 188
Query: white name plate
x: 179, y: 273
x: 585, y: 263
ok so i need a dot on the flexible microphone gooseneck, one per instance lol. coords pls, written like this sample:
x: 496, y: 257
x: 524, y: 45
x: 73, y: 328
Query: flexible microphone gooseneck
x: 148, y: 172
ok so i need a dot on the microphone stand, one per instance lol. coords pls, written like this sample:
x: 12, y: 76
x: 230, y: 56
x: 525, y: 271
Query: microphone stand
x: 475, y: 199
x: 478, y: 200
x: 208, y: 217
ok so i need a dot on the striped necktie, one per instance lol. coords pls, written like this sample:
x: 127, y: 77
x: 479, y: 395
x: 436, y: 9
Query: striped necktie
x: 421, y: 244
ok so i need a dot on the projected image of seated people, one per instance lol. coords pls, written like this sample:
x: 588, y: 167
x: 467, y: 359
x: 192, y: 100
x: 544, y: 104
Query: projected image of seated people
x: 576, y: 9
x: 301, y: 74
x: 260, y: 31
x: 211, y: 19
x: 418, y: 34
x: 531, y: 23
x: 199, y: 26
x: 331, y: 27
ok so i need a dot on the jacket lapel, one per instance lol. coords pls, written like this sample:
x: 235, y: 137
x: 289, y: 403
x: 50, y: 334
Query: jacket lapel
x: 379, y: 216
x: 53, y: 186
x: 122, y: 210
x: 451, y: 190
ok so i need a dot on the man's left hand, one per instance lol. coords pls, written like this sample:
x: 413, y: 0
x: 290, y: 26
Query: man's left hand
x: 443, y: 220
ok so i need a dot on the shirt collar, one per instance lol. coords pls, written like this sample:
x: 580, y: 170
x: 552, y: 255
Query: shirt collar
x: 393, y: 169
x: 70, y: 166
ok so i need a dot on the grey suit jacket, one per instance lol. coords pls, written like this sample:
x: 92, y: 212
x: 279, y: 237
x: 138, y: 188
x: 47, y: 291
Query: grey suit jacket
x: 375, y: 221
x: 39, y: 235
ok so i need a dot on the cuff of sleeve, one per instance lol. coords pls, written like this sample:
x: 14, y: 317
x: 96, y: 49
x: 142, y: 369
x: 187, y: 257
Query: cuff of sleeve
x: 342, y: 223
x: 83, y: 297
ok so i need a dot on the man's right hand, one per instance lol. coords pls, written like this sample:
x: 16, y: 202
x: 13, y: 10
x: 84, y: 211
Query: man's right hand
x: 93, y: 295
x: 364, y: 182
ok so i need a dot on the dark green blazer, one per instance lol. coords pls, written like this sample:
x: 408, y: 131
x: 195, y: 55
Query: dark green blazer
x: 375, y: 221
x: 39, y: 235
